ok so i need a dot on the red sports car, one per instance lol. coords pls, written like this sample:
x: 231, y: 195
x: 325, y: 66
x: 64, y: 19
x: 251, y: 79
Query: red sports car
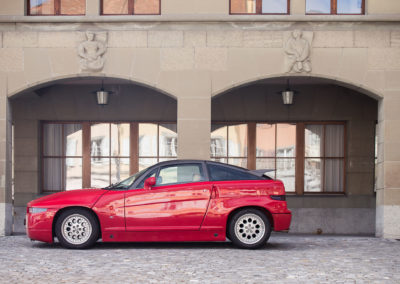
x: 181, y: 200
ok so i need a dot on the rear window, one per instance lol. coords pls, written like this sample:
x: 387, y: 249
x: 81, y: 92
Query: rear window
x: 220, y: 173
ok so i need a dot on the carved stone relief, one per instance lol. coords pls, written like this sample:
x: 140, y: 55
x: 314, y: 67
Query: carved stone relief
x: 297, y: 46
x: 91, y: 51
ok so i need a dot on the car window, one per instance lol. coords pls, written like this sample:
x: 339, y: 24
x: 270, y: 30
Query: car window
x: 219, y: 173
x: 183, y: 173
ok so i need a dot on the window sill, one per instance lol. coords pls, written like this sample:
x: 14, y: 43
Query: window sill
x: 202, y: 18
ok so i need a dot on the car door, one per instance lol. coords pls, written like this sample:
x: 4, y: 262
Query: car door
x: 178, y: 201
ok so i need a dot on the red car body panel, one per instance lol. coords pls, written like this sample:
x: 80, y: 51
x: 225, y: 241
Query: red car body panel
x: 185, y: 212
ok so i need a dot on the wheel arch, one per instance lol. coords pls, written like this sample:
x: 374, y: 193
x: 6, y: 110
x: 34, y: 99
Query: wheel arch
x: 262, y: 209
x: 59, y: 212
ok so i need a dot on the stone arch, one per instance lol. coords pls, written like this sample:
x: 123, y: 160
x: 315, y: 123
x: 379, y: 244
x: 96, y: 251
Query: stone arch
x: 362, y: 88
x: 49, y: 81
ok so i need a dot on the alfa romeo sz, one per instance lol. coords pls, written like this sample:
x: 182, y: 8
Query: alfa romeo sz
x: 180, y: 200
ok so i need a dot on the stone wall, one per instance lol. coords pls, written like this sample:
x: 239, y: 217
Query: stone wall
x: 194, y: 61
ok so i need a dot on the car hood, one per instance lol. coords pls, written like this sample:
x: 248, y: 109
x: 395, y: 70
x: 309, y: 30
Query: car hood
x: 81, y: 197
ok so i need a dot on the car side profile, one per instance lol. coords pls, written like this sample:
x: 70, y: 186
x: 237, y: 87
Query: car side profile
x: 173, y: 201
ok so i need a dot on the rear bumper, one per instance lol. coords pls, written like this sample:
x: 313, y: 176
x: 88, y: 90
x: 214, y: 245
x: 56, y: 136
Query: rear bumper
x: 282, y: 221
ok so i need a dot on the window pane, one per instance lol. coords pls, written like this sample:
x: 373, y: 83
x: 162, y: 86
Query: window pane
x: 41, y: 7
x: 266, y: 164
x: 144, y: 163
x: 73, y: 173
x: 237, y: 140
x: 220, y: 160
x: 243, y: 6
x: 120, y: 139
x: 274, y: 6
x: 168, y: 140
x: 100, y: 139
x: 146, y: 7
x: 73, y: 7
x: 119, y: 169
x: 52, y: 176
x: 314, y: 140
x: 115, y: 7
x: 286, y: 140
x: 52, y: 139
x: 147, y: 139
x: 219, y: 140
x: 349, y: 6
x: 240, y: 162
x: 313, y: 175
x: 334, y: 145
x: 220, y: 173
x: 265, y: 145
x: 180, y: 174
x: 334, y: 175
x: 73, y: 139
x: 100, y: 173
x: 318, y: 6
x: 285, y: 171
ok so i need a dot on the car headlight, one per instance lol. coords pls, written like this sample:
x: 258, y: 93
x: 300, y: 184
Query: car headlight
x: 33, y: 210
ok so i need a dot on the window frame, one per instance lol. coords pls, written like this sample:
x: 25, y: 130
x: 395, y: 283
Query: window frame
x: 86, y: 148
x: 299, y: 152
x: 57, y: 10
x: 334, y: 9
x: 131, y: 11
x: 259, y: 9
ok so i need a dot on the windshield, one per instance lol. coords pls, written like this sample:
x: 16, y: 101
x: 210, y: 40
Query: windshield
x: 126, y: 183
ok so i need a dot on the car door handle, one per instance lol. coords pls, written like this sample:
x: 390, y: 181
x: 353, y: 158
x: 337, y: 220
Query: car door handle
x: 205, y: 190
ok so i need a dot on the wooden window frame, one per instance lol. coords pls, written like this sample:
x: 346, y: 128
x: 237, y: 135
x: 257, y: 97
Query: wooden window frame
x: 131, y: 10
x: 259, y: 9
x: 57, y: 10
x: 63, y: 157
x: 300, y: 151
x: 334, y: 9
x: 324, y: 158
x: 86, y: 148
x: 227, y: 157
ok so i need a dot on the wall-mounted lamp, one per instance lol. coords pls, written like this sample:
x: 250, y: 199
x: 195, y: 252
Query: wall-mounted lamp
x: 102, y: 95
x: 287, y: 95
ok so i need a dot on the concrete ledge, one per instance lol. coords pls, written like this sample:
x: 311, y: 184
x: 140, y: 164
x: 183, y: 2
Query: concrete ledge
x: 5, y: 219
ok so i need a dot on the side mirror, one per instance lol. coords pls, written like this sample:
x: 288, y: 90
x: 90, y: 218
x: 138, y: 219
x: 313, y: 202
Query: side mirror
x: 149, y: 183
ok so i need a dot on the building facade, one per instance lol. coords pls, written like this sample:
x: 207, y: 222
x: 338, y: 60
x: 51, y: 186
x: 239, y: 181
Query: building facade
x: 204, y: 80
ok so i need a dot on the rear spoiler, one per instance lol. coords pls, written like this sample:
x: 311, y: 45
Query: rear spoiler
x: 262, y: 172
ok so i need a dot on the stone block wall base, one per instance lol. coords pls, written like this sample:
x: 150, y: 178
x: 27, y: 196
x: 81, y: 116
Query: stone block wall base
x: 5, y: 219
x: 387, y: 221
x: 19, y: 216
x: 352, y: 221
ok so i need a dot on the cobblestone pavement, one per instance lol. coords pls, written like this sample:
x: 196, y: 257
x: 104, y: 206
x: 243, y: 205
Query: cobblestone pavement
x: 285, y: 259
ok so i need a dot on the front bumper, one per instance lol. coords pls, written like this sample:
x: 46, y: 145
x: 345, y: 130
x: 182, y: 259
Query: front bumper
x: 39, y: 226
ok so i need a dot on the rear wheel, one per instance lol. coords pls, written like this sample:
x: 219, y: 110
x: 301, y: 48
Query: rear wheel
x: 249, y: 228
x: 77, y: 229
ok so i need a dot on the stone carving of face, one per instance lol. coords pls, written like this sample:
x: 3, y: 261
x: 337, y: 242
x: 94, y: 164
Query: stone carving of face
x: 90, y: 36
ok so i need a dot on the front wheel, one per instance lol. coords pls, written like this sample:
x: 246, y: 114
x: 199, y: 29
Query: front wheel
x: 77, y: 229
x: 249, y: 228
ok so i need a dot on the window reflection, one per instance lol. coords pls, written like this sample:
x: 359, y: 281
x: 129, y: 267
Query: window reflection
x: 274, y: 6
x: 243, y: 6
x: 41, y: 7
x: 318, y: 6
x: 349, y: 6
x: 72, y: 7
x: 146, y: 7
x: 117, y: 7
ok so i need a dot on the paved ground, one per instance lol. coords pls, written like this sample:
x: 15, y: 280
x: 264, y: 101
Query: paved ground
x: 285, y: 259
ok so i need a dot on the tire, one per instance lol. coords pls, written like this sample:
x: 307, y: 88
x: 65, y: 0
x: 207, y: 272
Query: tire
x: 77, y: 229
x: 249, y: 228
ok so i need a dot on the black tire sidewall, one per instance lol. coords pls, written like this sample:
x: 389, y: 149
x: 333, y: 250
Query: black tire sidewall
x: 235, y: 240
x: 92, y: 219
